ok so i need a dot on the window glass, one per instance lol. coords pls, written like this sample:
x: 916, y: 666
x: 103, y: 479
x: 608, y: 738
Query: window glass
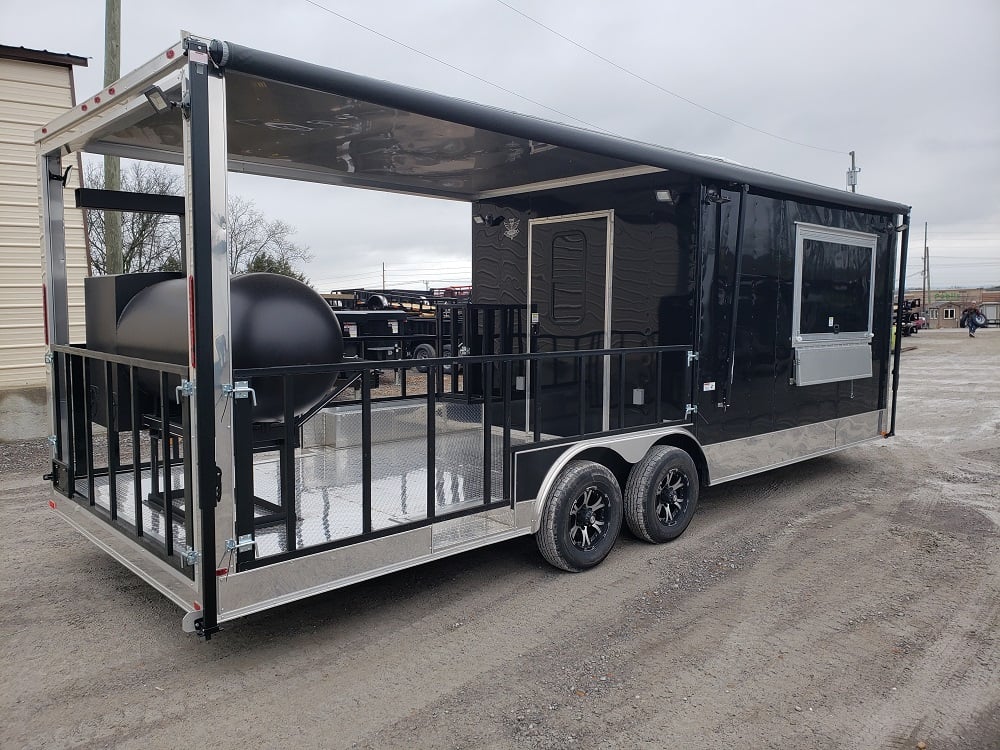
x: 949, y: 313
x: 569, y: 276
x: 836, y: 287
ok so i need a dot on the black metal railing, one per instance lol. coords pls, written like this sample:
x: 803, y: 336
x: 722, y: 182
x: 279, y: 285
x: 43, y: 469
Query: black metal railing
x: 509, y: 391
x: 132, y: 406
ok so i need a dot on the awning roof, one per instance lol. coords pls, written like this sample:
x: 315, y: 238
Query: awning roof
x: 294, y: 119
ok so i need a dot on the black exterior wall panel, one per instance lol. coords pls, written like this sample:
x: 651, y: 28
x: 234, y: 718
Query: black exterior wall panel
x: 654, y: 256
x: 762, y: 396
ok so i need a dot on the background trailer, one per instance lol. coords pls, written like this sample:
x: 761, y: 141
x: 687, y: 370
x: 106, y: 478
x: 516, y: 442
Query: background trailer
x: 642, y: 322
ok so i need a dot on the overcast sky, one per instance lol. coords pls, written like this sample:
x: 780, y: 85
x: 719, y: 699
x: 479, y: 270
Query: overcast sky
x: 913, y: 86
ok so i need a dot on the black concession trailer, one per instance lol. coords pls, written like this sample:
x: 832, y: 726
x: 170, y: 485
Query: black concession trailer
x: 643, y: 322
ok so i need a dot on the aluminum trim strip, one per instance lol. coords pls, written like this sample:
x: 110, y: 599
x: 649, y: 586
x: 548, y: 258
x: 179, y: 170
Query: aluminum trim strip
x: 78, y: 121
x: 154, y: 571
x: 262, y: 588
x: 534, y: 187
x: 742, y: 457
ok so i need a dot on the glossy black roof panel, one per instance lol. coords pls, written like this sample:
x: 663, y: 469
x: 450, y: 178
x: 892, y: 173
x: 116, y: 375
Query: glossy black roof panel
x: 296, y: 119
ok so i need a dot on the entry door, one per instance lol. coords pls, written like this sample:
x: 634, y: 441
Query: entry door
x: 570, y: 287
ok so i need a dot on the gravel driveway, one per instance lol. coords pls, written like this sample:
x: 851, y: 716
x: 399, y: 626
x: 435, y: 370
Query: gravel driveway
x: 849, y: 602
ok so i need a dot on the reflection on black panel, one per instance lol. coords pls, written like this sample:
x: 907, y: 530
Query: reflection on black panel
x: 836, y: 287
x: 569, y: 268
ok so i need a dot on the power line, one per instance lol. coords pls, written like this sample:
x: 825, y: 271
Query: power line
x: 439, y: 61
x: 657, y: 86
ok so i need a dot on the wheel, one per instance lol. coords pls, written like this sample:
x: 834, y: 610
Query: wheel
x: 661, y: 494
x: 582, y: 518
x: 979, y: 319
x: 423, y: 351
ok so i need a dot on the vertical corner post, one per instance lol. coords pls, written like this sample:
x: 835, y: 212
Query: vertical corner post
x: 207, y: 267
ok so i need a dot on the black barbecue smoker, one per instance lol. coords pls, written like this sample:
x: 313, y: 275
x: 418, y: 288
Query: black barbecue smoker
x: 643, y: 322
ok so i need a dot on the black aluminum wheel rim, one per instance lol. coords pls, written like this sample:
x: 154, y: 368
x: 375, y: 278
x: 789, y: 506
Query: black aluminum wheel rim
x: 672, y: 495
x: 588, y: 518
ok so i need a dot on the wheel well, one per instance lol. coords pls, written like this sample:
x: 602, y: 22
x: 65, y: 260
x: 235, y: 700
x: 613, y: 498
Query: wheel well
x: 691, y: 447
x: 609, y: 458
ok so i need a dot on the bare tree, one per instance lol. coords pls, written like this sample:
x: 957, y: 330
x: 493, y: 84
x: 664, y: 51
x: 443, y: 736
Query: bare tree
x: 256, y: 242
x: 148, y: 240
x: 152, y: 242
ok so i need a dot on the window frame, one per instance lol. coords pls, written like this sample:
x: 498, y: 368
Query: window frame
x: 819, y: 233
x: 950, y: 313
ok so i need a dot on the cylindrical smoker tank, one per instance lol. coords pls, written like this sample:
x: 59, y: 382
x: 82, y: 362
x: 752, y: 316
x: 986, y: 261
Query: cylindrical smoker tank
x: 276, y: 321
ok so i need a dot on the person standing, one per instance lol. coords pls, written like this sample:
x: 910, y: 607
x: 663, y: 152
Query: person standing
x: 970, y: 317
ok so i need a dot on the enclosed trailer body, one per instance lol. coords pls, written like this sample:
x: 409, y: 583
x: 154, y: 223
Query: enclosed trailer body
x: 642, y: 322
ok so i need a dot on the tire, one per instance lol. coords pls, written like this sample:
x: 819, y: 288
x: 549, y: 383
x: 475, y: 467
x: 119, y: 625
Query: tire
x: 582, y: 518
x: 661, y: 494
x: 423, y: 351
x: 979, y: 319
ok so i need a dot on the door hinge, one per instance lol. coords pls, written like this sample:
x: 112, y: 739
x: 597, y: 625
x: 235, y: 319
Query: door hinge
x: 191, y: 556
x: 245, y: 542
x: 690, y: 409
x: 240, y: 389
x: 692, y: 356
x: 185, y: 389
x: 49, y: 358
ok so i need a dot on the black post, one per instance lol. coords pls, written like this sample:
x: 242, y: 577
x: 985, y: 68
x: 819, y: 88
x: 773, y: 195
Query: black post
x: 243, y: 467
x: 737, y: 274
x: 535, y: 390
x: 431, y: 442
x: 111, y: 386
x: 659, y: 386
x: 167, y: 466
x: 366, y: 451
x: 133, y: 389
x: 200, y: 216
x: 487, y: 431
x: 507, y: 384
x: 899, y: 321
x: 88, y: 426
x: 286, y: 462
x: 621, y: 391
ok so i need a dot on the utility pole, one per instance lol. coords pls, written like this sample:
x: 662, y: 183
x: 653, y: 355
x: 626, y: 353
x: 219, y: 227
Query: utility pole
x: 852, y: 175
x: 383, y: 274
x: 112, y: 165
x: 927, y: 273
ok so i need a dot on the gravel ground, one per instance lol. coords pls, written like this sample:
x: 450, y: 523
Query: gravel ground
x: 852, y: 601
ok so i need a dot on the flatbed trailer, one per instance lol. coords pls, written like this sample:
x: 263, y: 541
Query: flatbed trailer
x: 647, y: 322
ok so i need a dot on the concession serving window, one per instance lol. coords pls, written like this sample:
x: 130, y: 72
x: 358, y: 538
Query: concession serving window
x: 833, y: 304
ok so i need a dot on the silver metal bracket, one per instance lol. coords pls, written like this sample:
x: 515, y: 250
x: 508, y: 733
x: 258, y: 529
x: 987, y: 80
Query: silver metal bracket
x: 52, y: 440
x: 49, y: 358
x: 185, y: 389
x: 692, y: 356
x: 191, y: 556
x: 245, y: 542
x: 240, y: 389
x: 690, y: 409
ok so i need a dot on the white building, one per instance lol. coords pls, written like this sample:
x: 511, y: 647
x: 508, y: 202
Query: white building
x: 35, y: 87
